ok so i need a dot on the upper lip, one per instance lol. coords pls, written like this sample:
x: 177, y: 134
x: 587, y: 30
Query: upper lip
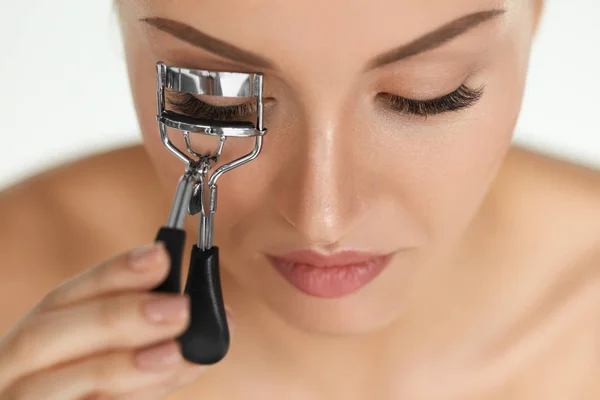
x: 317, y: 259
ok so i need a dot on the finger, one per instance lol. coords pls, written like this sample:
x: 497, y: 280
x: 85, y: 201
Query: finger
x: 117, y: 322
x: 108, y: 375
x: 140, y: 269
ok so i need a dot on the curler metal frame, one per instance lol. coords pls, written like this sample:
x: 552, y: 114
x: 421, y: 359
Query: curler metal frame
x: 206, y: 340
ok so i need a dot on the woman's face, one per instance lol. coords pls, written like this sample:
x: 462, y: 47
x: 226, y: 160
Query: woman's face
x: 347, y: 163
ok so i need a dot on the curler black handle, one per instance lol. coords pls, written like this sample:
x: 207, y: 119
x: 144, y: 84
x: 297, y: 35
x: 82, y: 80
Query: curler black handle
x: 174, y: 240
x: 206, y: 341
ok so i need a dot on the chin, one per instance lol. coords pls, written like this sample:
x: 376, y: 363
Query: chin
x: 340, y: 319
x: 367, y: 310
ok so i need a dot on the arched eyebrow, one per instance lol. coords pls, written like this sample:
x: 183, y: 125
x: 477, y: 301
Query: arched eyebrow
x: 227, y: 50
x: 434, y: 39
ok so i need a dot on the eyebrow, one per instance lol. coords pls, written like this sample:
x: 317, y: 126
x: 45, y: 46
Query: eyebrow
x: 429, y: 41
x: 434, y: 39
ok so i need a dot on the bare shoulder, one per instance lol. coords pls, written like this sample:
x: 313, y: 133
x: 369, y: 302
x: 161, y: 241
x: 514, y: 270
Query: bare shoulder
x: 67, y: 219
x: 544, y: 213
x: 552, y: 199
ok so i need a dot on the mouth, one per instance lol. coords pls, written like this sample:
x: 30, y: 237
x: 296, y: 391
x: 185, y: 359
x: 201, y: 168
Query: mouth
x: 330, y: 276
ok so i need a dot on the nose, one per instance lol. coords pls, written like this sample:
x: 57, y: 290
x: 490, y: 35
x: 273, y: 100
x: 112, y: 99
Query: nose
x: 318, y: 190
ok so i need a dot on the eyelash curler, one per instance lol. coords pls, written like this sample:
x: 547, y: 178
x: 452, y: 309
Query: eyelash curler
x: 206, y: 340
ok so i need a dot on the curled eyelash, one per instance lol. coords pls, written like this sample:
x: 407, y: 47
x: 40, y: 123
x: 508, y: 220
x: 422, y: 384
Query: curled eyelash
x: 461, y: 98
x: 189, y: 105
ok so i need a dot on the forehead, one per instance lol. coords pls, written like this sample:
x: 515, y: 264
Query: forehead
x: 329, y: 19
x: 292, y: 32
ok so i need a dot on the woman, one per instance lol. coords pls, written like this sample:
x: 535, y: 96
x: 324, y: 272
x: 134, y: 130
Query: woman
x: 388, y: 151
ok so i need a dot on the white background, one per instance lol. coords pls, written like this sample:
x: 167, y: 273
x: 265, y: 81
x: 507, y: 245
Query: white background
x: 64, y: 91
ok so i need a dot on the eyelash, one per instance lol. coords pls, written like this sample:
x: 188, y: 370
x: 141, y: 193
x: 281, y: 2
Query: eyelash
x: 192, y: 106
x: 461, y: 98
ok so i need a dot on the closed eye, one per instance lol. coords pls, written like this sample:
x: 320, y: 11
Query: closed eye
x: 461, y: 98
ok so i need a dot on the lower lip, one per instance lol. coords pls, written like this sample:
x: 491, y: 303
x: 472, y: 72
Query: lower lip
x: 333, y: 281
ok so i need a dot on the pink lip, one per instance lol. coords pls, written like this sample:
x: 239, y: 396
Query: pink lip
x: 330, y: 276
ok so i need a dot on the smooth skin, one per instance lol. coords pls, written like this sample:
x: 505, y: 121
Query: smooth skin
x: 497, y: 298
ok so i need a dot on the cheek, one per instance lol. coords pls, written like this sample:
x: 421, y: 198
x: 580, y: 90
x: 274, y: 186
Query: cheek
x: 441, y: 169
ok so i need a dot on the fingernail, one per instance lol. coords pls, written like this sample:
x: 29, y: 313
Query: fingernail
x: 167, y: 308
x: 158, y: 357
x: 146, y: 256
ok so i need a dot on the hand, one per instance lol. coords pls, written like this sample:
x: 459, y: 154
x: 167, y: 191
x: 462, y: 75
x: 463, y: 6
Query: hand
x: 99, y: 334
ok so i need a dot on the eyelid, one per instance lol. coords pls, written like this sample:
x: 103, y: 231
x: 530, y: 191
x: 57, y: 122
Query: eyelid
x: 463, y: 88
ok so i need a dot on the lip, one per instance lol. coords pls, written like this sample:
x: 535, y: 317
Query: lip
x: 330, y: 276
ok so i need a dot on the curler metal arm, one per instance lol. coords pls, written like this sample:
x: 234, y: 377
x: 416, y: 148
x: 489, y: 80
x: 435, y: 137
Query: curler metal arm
x: 173, y: 235
x: 206, y: 340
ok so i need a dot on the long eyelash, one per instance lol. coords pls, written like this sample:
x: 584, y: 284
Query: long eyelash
x: 194, y: 107
x: 461, y: 98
